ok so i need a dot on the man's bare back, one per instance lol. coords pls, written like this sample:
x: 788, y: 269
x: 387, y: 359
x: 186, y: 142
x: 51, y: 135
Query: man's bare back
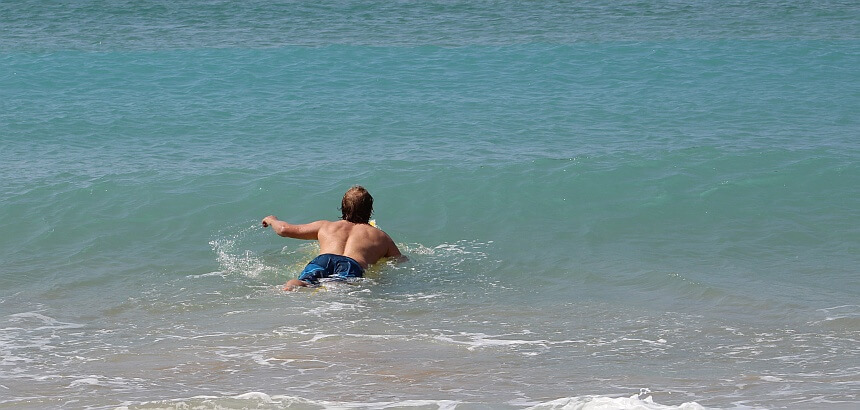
x: 347, y: 246
x: 361, y: 242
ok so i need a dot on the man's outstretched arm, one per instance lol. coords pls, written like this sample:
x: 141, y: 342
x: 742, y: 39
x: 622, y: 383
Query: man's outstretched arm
x: 304, y: 231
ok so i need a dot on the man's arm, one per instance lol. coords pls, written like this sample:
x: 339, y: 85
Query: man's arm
x: 304, y: 231
x: 394, y: 252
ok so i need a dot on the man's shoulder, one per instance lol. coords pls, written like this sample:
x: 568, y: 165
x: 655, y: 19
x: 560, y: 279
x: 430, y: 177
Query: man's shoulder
x: 382, y: 235
x: 338, y: 225
x: 373, y: 232
x: 364, y: 229
x: 352, y: 227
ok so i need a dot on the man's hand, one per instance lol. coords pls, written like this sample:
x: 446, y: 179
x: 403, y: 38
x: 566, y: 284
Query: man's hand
x: 268, y: 220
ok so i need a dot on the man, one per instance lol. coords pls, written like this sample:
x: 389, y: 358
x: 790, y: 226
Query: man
x: 347, y: 246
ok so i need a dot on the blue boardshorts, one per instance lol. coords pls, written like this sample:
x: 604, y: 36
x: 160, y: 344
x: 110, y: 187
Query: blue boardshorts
x: 332, y: 266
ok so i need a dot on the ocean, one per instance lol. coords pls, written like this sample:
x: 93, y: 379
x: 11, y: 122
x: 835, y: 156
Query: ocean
x: 605, y: 205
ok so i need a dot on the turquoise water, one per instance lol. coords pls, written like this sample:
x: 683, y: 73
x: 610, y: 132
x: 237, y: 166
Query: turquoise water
x: 649, y: 204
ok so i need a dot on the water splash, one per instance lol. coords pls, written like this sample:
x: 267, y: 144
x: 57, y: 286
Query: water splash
x: 235, y: 259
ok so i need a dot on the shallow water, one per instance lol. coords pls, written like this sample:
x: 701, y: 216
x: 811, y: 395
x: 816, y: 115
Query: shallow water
x: 636, y: 205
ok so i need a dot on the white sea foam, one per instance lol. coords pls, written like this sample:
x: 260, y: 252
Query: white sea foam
x: 48, y: 322
x: 258, y: 399
x: 114, y: 383
x: 642, y: 401
x: 636, y: 402
x: 474, y: 249
x: 475, y: 341
x: 333, y: 307
x: 34, y: 335
x: 90, y: 381
x: 847, y: 316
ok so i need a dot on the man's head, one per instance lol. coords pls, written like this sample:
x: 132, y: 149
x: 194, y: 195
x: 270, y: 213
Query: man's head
x: 357, y: 205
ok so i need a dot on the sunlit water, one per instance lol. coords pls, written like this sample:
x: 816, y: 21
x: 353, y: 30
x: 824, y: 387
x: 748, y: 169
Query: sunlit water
x: 628, y: 205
